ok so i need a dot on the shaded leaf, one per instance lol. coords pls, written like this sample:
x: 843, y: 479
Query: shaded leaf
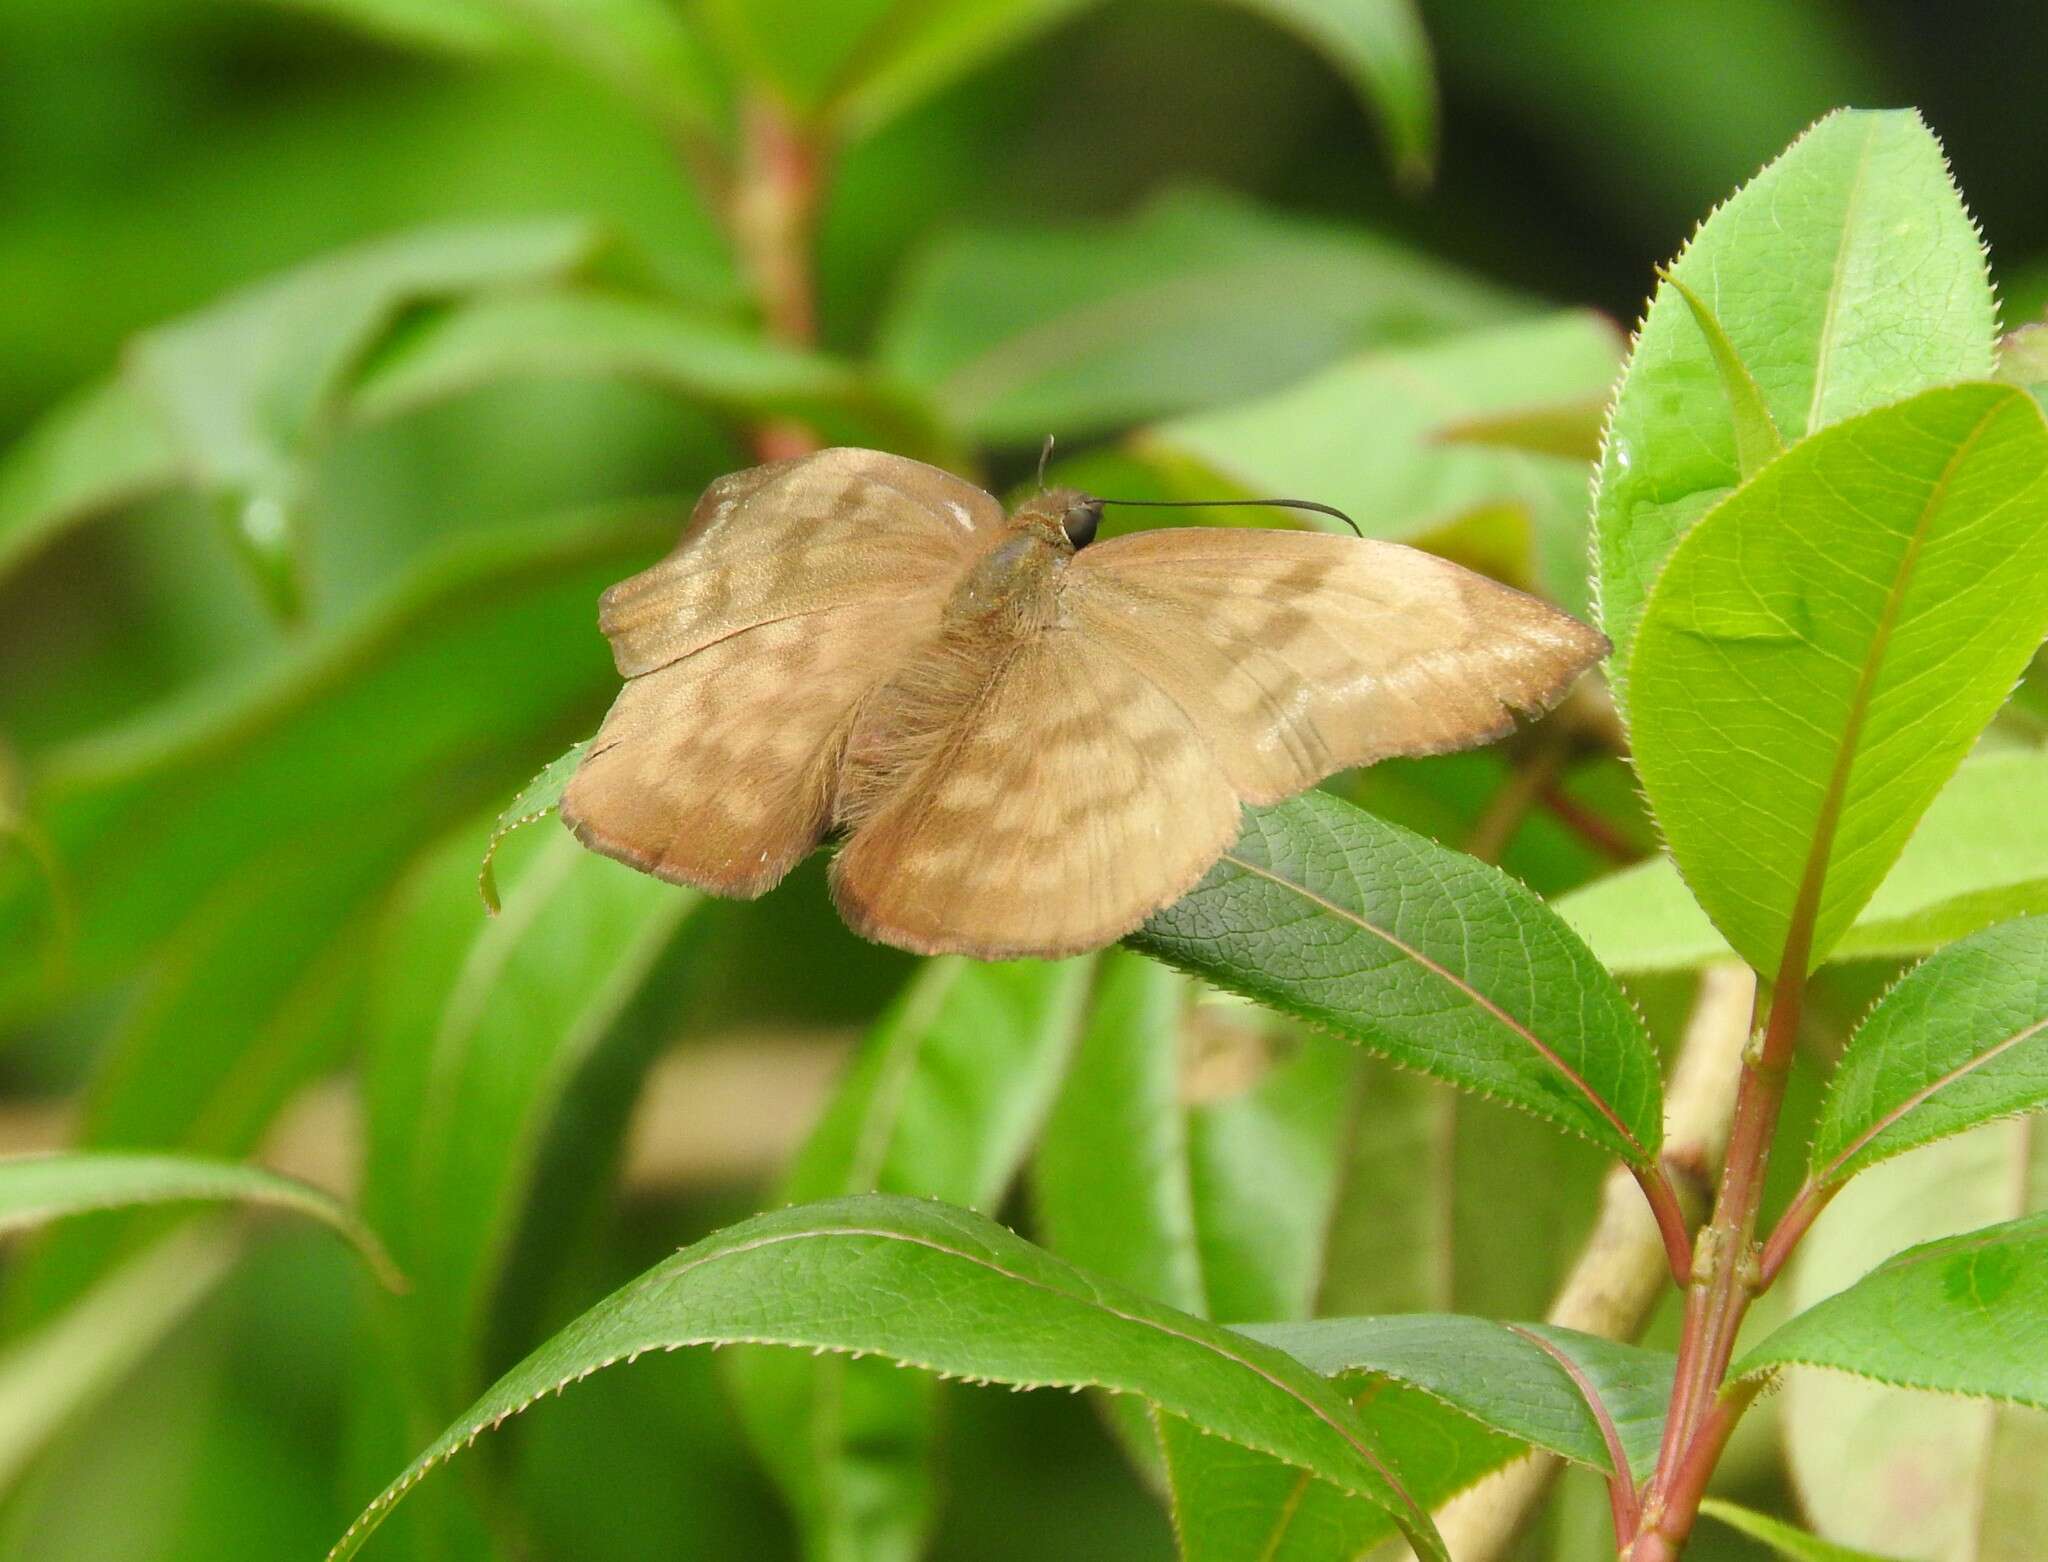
x: 36, y: 1189
x: 103, y: 448
x: 943, y: 1101
x: 1501, y: 1375
x: 1962, y: 1315
x: 1435, y: 959
x: 1979, y: 856
x: 1567, y: 429
x: 1845, y: 275
x: 478, y: 1046
x: 1196, y: 299
x: 243, y: 386
x: 49, y: 1375
x: 429, y: 700
x: 1823, y: 649
x: 1380, y: 46
x: 581, y: 333
x: 991, y: 1307
x: 1961, y: 1040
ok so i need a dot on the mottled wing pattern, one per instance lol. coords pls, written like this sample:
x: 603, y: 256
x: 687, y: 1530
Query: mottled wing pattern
x: 798, y: 587
x: 1069, y: 799
x: 831, y: 529
x: 1297, y: 654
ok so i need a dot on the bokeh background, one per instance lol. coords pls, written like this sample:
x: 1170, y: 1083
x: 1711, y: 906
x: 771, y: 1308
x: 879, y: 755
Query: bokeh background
x: 297, y: 590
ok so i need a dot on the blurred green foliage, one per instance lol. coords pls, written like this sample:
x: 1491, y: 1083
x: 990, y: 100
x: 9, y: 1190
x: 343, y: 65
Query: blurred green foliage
x: 353, y: 345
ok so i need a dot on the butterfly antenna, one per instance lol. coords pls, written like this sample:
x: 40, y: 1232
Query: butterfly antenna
x: 1044, y: 455
x: 1218, y: 504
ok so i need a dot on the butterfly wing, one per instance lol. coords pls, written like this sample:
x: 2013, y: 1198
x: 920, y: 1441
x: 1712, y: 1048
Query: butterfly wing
x: 1067, y: 798
x: 1298, y: 654
x: 797, y: 587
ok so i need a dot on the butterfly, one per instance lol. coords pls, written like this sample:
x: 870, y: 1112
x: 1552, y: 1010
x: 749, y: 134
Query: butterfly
x: 1030, y: 740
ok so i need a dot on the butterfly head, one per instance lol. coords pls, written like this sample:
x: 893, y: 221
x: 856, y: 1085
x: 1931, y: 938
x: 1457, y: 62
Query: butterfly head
x: 1065, y: 517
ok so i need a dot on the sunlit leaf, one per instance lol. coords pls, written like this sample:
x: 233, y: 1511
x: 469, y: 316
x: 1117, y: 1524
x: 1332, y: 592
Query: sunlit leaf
x: 1825, y: 646
x: 1793, y: 1544
x: 1963, y: 1039
x: 1979, y: 856
x: 1962, y: 1315
x: 1845, y: 275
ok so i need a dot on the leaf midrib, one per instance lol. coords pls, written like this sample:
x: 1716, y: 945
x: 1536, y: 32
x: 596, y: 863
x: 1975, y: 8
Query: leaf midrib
x: 1919, y: 1097
x: 1806, y: 903
x: 452, y: 1443
x: 1542, y: 1048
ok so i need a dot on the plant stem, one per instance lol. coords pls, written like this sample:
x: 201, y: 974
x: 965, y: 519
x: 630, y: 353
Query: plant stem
x: 773, y: 216
x: 1727, y: 1275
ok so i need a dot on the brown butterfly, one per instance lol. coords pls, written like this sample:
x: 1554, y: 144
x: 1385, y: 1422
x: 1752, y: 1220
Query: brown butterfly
x: 1031, y: 740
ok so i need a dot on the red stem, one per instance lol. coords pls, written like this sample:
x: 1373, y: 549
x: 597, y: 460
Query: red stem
x: 1792, y: 1225
x: 1656, y: 1185
x: 773, y: 215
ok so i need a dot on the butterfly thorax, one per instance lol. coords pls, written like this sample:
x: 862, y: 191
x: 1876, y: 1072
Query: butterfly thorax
x: 1013, y: 588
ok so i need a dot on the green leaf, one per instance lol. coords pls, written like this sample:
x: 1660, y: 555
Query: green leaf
x: 1886, y: 1467
x: 37, y: 1189
x: 474, y: 1060
x: 1845, y: 275
x: 1965, y: 1315
x: 1368, y: 437
x: 244, y: 387
x: 460, y: 26
x: 539, y: 798
x: 1380, y: 46
x: 1197, y: 299
x: 427, y: 702
x: 943, y: 1102
x: 1979, y: 856
x: 1194, y: 1155
x: 562, y: 334
x: 990, y: 1307
x: 1756, y: 436
x: 97, y: 451
x: 1230, y: 1503
x: 1793, y: 1544
x: 250, y: 998
x: 910, y: 53
x: 1502, y: 1375
x: 1212, y: 1196
x: 1568, y: 429
x: 49, y: 1375
x: 1961, y: 1040
x: 1433, y: 958
x: 1822, y: 650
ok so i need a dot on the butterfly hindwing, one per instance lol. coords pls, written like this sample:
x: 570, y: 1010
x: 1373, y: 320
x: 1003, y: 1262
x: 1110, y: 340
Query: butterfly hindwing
x: 798, y: 587
x: 1064, y: 800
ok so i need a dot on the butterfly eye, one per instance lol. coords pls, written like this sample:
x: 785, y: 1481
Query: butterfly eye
x: 1080, y: 522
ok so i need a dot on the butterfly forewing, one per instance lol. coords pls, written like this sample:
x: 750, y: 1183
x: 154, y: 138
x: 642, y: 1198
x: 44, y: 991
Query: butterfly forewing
x: 1030, y: 748
x: 798, y: 587
x: 1297, y: 654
